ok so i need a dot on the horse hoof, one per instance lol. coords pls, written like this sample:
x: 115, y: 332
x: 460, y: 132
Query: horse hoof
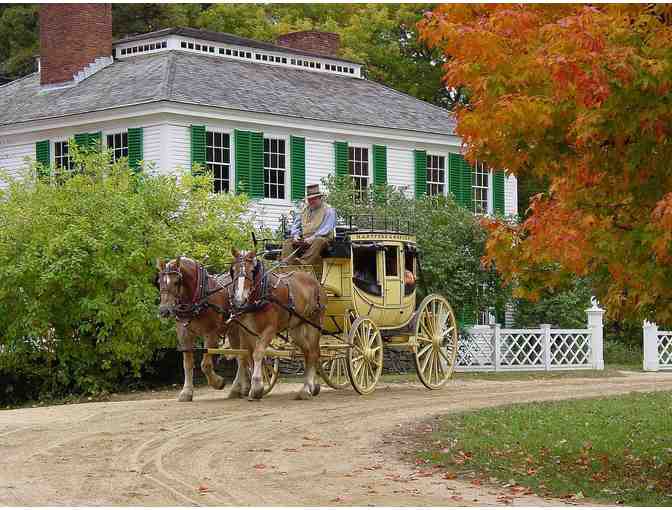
x: 234, y: 394
x: 257, y: 394
x: 219, y: 384
x: 244, y: 392
x: 185, y: 397
x: 303, y: 395
x: 316, y: 390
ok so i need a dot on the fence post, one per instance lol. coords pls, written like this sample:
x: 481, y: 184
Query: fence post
x: 651, y: 361
x: 546, y: 344
x: 496, y: 346
x: 596, y: 328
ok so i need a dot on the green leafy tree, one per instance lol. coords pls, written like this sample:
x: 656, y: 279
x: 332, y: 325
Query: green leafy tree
x: 18, y: 39
x: 78, y: 305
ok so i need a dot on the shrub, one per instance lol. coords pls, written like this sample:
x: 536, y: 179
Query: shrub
x: 78, y: 305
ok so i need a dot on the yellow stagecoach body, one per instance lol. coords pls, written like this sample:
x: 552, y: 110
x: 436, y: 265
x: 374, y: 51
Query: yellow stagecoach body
x: 367, y: 278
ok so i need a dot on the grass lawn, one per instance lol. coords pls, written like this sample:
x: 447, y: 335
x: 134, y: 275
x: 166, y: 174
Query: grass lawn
x: 617, y: 449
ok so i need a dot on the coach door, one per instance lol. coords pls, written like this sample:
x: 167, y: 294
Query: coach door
x: 392, y: 276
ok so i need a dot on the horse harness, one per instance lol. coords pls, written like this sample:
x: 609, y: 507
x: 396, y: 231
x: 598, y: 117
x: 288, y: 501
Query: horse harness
x: 194, y: 307
x: 260, y: 297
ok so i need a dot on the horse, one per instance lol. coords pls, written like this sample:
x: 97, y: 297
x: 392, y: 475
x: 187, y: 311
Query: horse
x: 268, y: 303
x: 201, y: 307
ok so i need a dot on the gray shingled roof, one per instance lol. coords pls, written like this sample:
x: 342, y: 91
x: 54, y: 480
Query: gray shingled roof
x: 199, y: 79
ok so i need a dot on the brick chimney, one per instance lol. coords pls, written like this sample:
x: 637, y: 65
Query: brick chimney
x: 72, y: 36
x: 325, y: 43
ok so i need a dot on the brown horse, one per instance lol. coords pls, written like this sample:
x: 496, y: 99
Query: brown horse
x: 201, y: 307
x: 262, y: 301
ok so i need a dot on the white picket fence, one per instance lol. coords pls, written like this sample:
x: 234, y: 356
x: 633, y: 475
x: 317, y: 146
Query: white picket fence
x: 657, y: 348
x: 493, y: 348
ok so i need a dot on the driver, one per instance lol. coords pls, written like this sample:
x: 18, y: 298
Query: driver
x: 312, y: 230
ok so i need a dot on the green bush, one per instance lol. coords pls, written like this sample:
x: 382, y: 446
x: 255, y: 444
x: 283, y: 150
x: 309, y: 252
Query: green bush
x: 78, y: 305
x: 450, y: 239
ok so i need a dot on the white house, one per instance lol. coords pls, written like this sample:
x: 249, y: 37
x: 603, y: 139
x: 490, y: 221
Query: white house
x: 265, y: 118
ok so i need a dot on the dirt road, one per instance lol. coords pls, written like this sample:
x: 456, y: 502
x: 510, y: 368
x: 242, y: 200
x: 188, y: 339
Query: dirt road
x: 213, y: 451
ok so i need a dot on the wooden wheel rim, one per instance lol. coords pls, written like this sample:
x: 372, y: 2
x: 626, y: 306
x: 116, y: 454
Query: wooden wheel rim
x: 365, y: 357
x: 334, y: 371
x: 436, y: 342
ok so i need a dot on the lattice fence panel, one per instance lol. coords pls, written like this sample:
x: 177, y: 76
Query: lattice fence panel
x: 665, y: 349
x: 570, y: 348
x: 522, y: 348
x: 475, y: 351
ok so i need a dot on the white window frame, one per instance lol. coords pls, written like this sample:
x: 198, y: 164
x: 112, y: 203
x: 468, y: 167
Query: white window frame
x: 53, y: 157
x: 232, y: 157
x: 288, y: 163
x: 488, y: 193
x: 121, y: 132
x: 369, y: 149
x: 288, y: 166
x: 445, y: 172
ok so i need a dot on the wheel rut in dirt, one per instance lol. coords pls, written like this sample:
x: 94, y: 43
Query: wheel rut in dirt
x: 335, y: 449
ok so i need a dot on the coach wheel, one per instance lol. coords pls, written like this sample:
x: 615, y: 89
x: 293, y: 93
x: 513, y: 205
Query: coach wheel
x: 334, y: 369
x: 436, y: 341
x: 365, y: 356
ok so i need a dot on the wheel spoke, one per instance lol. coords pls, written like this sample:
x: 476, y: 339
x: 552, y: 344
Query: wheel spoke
x: 424, y: 349
x: 424, y: 339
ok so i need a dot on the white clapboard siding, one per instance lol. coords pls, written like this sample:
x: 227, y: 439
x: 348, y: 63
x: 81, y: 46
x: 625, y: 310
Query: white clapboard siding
x: 179, y: 148
x: 400, y: 169
x: 510, y: 195
x: 13, y: 159
x: 151, y: 145
x: 267, y: 214
x: 319, y: 160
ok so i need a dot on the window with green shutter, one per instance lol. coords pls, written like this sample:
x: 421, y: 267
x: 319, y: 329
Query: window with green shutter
x: 82, y: 140
x: 135, y: 148
x: 298, y: 167
x: 249, y: 163
x: 380, y: 165
x: 256, y: 165
x: 460, y: 180
x: 341, y: 158
x: 95, y: 141
x: 197, y: 146
x: 43, y: 157
x: 498, y: 191
x: 420, y: 173
x: 242, y: 147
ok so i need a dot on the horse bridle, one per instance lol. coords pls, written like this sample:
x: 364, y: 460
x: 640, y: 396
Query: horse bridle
x: 199, y: 301
x: 258, y: 268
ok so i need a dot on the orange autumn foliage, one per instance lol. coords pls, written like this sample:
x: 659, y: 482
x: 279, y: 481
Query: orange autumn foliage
x: 581, y: 95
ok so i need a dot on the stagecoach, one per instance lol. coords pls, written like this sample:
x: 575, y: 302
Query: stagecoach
x: 369, y: 273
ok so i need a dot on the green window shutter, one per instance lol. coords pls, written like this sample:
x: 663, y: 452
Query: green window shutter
x: 256, y: 165
x: 298, y: 166
x: 454, y: 174
x: 341, y: 158
x: 467, y: 185
x: 43, y: 157
x: 197, y: 146
x: 96, y: 141
x: 498, y: 191
x: 242, y: 147
x: 460, y: 180
x: 82, y: 140
x: 420, y: 173
x: 379, y: 165
x: 135, y: 148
